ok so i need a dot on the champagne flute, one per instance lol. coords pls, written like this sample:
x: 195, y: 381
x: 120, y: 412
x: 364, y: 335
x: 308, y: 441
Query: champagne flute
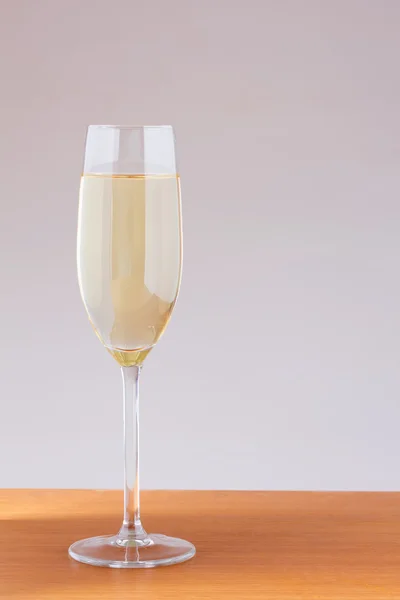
x: 129, y: 270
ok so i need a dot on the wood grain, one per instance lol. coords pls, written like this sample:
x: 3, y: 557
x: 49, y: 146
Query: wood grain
x: 251, y: 545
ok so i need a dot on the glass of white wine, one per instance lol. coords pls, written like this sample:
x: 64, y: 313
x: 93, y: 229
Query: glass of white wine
x: 129, y: 270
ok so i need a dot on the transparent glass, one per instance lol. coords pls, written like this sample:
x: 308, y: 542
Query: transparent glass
x: 129, y: 269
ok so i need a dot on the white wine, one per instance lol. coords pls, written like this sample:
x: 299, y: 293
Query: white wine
x: 129, y: 259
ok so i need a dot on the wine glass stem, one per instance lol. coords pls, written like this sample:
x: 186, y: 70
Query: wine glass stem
x: 132, y: 526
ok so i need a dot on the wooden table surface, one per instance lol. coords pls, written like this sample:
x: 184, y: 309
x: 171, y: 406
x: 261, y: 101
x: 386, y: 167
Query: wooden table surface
x: 250, y: 545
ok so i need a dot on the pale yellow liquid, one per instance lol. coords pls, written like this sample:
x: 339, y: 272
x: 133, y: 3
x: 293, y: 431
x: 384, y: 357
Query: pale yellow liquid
x: 129, y: 259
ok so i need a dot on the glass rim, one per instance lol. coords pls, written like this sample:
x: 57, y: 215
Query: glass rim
x: 132, y: 127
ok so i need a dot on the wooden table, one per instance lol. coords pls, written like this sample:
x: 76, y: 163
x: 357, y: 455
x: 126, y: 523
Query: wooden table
x: 264, y: 545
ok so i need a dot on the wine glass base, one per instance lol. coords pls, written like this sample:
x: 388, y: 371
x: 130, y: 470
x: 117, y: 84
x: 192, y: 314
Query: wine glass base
x: 154, y: 551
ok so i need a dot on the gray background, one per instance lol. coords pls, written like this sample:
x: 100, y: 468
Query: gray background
x: 280, y: 366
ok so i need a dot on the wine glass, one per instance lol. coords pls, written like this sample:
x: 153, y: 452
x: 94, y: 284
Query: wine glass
x: 129, y: 270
